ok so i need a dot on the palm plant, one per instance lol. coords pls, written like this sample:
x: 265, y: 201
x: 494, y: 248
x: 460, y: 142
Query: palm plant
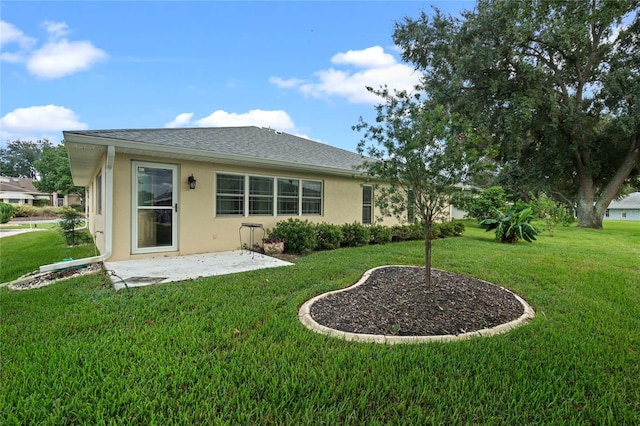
x: 512, y: 226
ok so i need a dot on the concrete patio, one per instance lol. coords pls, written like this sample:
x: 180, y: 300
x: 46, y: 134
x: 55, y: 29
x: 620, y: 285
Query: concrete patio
x: 143, y: 272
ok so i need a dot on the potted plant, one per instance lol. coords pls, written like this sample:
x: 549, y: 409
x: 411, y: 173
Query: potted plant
x: 273, y: 245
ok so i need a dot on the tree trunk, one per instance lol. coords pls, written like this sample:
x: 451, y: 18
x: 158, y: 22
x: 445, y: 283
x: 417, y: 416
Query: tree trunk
x: 427, y: 252
x: 591, y: 211
x: 586, y: 212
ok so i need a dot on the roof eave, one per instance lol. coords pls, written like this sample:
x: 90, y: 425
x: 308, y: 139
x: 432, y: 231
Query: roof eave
x: 143, y: 148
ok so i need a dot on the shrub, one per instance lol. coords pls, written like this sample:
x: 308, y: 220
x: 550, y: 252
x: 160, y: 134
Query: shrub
x: 84, y: 237
x: 447, y: 230
x: 416, y: 231
x: 70, y: 220
x: 23, y: 210
x: 564, y: 215
x: 6, y: 212
x: 380, y: 234
x: 328, y: 236
x: 458, y: 228
x: 354, y: 235
x: 483, y: 205
x: 299, y: 236
x: 435, y: 230
x: 48, y: 211
x: 411, y: 232
x: 400, y: 233
x: 512, y: 226
x: 77, y: 207
x: 552, y: 212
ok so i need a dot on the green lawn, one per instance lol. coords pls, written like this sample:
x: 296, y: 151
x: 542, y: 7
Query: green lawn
x: 230, y: 349
x: 24, y: 253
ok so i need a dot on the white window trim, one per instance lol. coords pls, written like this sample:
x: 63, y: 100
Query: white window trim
x: 275, y: 195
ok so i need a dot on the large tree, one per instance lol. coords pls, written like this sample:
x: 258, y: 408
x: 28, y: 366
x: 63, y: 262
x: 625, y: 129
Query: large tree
x: 54, y: 172
x: 19, y: 157
x: 555, y: 84
x: 420, y: 154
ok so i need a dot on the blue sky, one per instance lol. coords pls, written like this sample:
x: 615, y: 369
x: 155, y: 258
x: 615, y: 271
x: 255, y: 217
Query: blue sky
x: 298, y: 67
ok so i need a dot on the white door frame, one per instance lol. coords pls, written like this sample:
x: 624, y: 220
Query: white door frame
x: 172, y: 207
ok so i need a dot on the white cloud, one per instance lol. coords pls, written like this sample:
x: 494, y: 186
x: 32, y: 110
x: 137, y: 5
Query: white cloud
x: 10, y: 34
x: 39, y: 121
x: 57, y: 58
x: 14, y: 58
x: 61, y: 58
x: 276, y: 119
x: 292, y: 82
x: 371, y: 57
x: 358, y: 69
x: 56, y: 30
x: 181, y: 120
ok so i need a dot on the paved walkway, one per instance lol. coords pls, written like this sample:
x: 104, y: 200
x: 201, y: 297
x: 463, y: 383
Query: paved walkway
x: 33, y: 223
x: 143, y: 272
x: 11, y: 232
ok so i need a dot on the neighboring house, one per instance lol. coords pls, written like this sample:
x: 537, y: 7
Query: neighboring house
x: 15, y: 190
x: 455, y: 212
x: 627, y: 208
x: 64, y: 200
x: 182, y: 191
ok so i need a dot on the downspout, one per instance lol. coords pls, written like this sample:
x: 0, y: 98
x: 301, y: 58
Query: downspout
x: 108, y: 225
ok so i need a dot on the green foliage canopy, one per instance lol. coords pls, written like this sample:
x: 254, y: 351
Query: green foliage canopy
x: 420, y: 153
x: 552, y: 84
x: 55, y: 172
x: 6, y: 212
x: 19, y: 157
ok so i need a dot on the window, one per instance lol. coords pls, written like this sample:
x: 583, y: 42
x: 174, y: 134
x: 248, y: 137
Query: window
x: 367, y: 204
x: 14, y: 201
x: 624, y: 214
x: 99, y: 193
x: 230, y: 195
x: 244, y: 195
x: 606, y: 213
x: 288, y: 191
x: 311, y: 197
x: 260, y: 195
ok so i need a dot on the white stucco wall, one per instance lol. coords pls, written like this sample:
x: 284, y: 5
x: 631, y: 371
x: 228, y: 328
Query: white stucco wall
x: 199, y: 229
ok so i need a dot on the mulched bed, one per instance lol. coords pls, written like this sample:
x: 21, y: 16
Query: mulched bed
x: 37, y: 279
x: 394, y: 301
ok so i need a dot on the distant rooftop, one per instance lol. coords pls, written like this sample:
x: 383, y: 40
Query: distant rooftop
x: 631, y: 201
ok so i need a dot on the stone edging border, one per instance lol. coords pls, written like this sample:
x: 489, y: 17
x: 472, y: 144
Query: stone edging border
x: 304, y: 315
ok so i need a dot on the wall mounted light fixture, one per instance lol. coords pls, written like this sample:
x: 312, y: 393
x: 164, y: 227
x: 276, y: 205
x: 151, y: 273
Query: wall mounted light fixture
x: 192, y: 182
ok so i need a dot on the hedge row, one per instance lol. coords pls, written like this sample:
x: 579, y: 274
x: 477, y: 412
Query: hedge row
x: 23, y: 210
x: 302, y: 236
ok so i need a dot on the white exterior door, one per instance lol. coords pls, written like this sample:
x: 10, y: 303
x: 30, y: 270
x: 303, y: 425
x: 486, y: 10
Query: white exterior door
x: 154, y: 207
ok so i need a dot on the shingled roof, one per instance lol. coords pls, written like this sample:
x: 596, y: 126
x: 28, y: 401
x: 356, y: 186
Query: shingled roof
x: 631, y: 201
x: 242, y: 142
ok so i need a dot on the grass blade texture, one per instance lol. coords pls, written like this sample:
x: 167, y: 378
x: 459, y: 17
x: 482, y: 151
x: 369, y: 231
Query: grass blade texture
x: 230, y: 349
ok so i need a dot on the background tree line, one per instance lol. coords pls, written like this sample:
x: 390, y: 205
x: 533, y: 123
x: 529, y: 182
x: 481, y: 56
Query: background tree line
x: 45, y: 163
x: 551, y: 89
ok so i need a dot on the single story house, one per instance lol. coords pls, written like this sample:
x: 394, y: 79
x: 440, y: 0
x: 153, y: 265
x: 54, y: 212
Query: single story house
x: 165, y: 192
x: 65, y: 200
x: 20, y: 190
x: 627, y: 208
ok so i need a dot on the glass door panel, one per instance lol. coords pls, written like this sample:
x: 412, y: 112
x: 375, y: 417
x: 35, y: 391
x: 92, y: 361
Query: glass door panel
x: 155, y: 207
